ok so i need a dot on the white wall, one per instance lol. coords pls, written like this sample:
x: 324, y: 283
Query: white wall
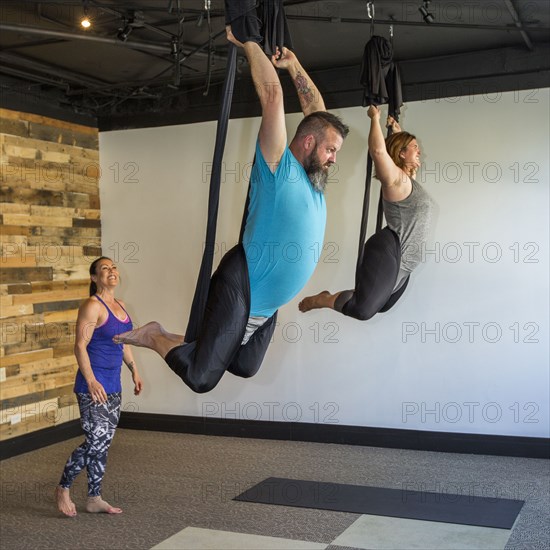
x: 465, y: 350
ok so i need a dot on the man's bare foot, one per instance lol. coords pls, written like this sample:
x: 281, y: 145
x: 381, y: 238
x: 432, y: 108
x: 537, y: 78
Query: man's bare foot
x: 323, y: 299
x: 96, y: 505
x: 64, y: 503
x: 151, y: 336
x: 143, y: 336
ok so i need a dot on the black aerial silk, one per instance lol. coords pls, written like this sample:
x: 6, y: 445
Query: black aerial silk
x: 221, y: 304
x: 380, y: 76
x: 262, y: 21
x: 379, y: 258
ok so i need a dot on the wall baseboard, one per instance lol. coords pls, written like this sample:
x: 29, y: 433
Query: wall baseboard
x: 499, y: 445
x: 445, y: 442
x: 41, y: 438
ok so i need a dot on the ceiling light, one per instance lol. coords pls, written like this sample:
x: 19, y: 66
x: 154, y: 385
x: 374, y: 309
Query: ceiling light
x: 426, y: 15
x: 85, y: 22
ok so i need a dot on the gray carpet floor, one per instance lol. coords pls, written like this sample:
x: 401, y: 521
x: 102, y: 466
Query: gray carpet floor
x: 165, y: 482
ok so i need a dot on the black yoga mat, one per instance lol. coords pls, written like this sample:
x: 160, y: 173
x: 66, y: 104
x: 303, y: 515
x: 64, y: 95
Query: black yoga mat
x: 398, y: 503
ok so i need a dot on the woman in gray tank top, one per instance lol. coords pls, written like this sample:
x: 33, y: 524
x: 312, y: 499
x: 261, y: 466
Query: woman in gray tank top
x: 391, y: 254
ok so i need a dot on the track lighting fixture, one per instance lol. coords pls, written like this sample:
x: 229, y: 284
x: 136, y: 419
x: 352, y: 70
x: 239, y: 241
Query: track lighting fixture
x: 125, y: 32
x: 133, y: 21
x: 426, y: 15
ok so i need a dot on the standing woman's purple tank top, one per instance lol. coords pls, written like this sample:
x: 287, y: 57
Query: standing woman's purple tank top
x: 105, y: 356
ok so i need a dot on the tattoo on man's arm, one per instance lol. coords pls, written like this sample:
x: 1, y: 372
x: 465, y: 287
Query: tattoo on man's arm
x: 130, y: 365
x: 303, y: 88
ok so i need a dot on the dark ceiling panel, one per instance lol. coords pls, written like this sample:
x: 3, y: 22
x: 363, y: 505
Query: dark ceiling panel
x: 174, y: 51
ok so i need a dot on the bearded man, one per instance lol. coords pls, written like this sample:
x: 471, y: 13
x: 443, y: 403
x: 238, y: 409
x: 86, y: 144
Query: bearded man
x: 285, y: 225
x: 284, y: 230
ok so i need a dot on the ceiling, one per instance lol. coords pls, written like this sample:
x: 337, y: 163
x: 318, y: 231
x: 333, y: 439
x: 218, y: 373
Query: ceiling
x: 149, y: 62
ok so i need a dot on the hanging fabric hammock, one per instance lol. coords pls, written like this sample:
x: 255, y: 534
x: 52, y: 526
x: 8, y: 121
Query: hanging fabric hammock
x: 221, y: 303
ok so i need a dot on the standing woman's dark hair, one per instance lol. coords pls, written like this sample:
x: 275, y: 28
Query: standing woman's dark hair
x: 93, y: 265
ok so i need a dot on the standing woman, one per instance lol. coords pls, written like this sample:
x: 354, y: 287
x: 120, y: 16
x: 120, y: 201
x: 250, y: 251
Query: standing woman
x: 98, y: 387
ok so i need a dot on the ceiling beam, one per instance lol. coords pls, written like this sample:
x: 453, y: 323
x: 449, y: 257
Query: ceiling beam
x: 33, y: 77
x: 146, y: 46
x: 488, y: 72
x: 34, y: 43
x: 397, y: 23
x: 44, y: 70
x: 518, y: 23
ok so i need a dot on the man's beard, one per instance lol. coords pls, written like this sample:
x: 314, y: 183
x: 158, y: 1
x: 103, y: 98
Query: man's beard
x: 316, y: 172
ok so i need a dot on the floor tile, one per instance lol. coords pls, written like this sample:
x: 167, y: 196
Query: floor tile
x: 194, y: 538
x: 386, y: 533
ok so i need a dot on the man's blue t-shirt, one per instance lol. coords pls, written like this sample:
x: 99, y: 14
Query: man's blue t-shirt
x: 284, y: 232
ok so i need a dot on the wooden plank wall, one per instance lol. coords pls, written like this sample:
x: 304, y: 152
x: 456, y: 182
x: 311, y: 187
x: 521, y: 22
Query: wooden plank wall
x: 50, y: 232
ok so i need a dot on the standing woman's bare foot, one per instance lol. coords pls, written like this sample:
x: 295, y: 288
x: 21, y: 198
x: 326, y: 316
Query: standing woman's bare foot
x: 64, y: 503
x: 97, y: 505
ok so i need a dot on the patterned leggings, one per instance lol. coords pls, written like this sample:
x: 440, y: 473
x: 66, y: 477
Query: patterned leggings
x: 99, y: 421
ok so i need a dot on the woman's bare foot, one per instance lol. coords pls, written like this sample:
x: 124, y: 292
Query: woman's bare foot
x: 323, y: 299
x: 64, y: 503
x: 96, y: 505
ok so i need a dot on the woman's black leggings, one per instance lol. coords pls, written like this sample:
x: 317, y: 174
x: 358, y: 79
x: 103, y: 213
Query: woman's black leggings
x: 376, y: 279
